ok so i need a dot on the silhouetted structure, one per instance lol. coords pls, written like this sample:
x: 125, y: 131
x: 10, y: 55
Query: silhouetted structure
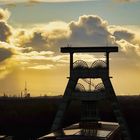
x: 90, y: 124
x: 26, y: 92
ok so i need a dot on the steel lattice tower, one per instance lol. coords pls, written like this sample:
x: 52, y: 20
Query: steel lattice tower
x: 89, y: 99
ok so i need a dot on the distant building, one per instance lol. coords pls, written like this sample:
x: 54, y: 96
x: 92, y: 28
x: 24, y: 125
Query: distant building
x: 26, y: 92
x: 5, y: 95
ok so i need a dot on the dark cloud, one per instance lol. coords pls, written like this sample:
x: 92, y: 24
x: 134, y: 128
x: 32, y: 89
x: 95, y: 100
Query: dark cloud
x: 5, y: 54
x: 6, y: 59
x: 37, y: 41
x: 31, y: 40
x: 124, y: 34
x: 5, y: 31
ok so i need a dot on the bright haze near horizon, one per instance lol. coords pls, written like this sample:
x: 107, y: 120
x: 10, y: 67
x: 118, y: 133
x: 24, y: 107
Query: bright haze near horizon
x: 33, y: 31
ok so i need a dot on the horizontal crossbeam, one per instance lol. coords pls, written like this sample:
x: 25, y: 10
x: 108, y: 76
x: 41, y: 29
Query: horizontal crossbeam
x: 89, y: 49
x: 89, y: 96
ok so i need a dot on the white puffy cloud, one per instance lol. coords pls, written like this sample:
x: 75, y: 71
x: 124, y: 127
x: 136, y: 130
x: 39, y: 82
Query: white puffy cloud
x: 38, y: 47
x: 42, y: 37
x: 42, y: 67
x: 90, y: 30
x: 4, y: 14
x: 129, y: 49
x: 87, y: 31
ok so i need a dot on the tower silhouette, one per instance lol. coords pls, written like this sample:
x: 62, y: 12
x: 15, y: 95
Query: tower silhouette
x: 89, y: 99
x: 26, y: 92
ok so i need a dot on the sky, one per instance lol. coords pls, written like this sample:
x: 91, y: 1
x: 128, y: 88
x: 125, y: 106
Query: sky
x: 33, y: 31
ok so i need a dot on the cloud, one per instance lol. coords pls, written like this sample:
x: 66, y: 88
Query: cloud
x: 5, y: 51
x: 7, y: 61
x: 48, y: 60
x: 44, y: 60
x: 129, y: 49
x: 11, y: 2
x: 56, y: 0
x: 122, y: 33
x: 38, y: 47
x: 34, y: 55
x: 4, y: 14
x: 5, y: 69
x: 123, y: 1
x: 42, y: 67
x: 128, y: 41
x: 37, y: 41
x: 90, y: 30
x: 5, y: 31
x: 4, y: 54
x: 42, y: 37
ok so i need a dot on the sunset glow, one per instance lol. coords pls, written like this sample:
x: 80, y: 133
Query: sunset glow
x: 31, y: 36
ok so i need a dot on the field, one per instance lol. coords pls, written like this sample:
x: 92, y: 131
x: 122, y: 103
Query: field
x: 29, y: 118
